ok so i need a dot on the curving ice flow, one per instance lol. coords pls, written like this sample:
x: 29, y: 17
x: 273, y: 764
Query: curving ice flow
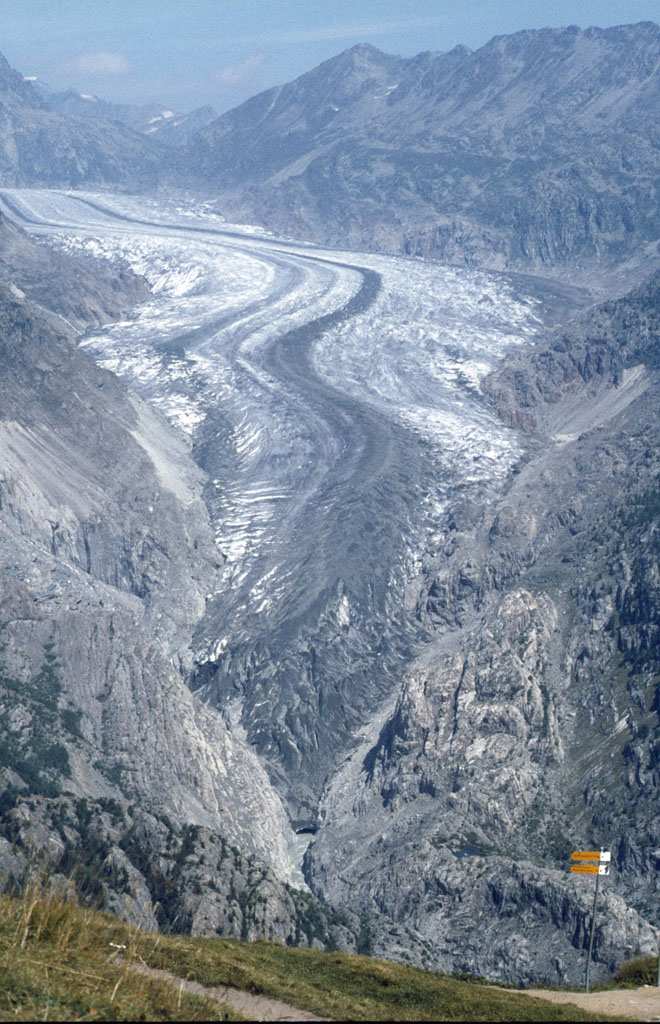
x: 333, y: 399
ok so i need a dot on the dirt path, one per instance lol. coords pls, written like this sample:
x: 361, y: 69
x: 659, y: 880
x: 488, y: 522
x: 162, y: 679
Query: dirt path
x: 253, y: 1007
x: 637, y: 1004
x: 622, y: 1004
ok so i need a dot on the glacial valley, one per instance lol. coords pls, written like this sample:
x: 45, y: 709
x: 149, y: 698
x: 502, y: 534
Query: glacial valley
x: 330, y: 601
x: 333, y: 401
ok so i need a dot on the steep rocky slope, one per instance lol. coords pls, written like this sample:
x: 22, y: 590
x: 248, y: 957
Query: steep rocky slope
x: 70, y: 292
x: 529, y: 727
x: 106, y: 555
x: 180, y: 878
x: 537, y: 150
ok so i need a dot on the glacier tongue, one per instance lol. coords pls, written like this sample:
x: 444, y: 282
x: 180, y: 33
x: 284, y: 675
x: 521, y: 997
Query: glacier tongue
x: 333, y: 400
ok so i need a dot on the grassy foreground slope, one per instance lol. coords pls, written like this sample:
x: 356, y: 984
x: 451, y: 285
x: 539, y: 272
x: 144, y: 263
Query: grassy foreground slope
x: 56, y: 963
x: 60, y: 962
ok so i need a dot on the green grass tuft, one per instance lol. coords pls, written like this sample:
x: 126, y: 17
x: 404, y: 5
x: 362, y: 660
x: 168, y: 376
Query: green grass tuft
x: 642, y: 971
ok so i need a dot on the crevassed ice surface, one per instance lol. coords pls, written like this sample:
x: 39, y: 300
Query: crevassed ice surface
x: 333, y: 399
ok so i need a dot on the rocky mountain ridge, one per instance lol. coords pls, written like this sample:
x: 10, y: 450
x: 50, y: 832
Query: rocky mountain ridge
x: 536, y: 151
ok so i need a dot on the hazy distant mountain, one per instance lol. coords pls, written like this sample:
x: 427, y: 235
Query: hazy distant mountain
x: 538, y: 148
x: 164, y: 124
x: 172, y: 128
x: 39, y: 146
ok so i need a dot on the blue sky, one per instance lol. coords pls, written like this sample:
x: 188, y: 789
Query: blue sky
x: 185, y: 53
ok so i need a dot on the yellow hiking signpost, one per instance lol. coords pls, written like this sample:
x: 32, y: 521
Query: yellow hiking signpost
x: 590, y: 869
x: 601, y: 866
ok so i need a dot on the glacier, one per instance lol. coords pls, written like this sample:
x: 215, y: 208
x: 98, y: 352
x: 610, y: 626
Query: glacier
x: 333, y: 400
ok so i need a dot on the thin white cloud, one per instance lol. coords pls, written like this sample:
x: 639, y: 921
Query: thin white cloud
x: 96, y: 64
x: 237, y: 74
x: 355, y: 30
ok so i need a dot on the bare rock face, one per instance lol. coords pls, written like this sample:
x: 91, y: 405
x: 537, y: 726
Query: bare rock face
x: 486, y: 707
x: 106, y: 555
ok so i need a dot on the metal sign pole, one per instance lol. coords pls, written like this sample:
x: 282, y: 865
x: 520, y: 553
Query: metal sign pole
x: 591, y: 937
x: 600, y: 867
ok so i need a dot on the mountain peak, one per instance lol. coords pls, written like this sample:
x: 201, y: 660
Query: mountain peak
x: 365, y: 50
x: 362, y: 55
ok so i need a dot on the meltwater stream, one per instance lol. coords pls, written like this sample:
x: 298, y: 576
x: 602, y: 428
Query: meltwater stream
x: 333, y: 400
